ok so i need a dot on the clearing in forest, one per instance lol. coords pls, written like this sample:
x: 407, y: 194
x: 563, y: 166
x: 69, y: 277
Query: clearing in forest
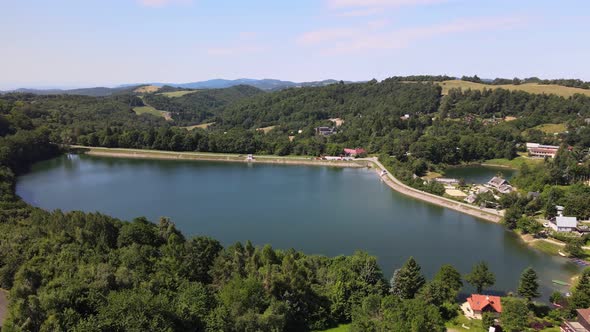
x: 175, y: 94
x: 202, y: 126
x: 147, y: 89
x: 559, y: 90
x: 551, y: 128
x: 150, y: 110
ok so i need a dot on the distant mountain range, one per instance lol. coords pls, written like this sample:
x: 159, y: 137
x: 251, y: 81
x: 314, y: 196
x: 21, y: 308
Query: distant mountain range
x: 94, y: 92
x: 263, y: 84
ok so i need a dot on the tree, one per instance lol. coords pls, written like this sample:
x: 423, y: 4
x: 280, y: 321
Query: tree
x: 408, y: 280
x: 448, y: 276
x: 574, y: 248
x: 480, y: 277
x: 487, y: 319
x: 514, y: 317
x: 581, y: 293
x: 528, y: 286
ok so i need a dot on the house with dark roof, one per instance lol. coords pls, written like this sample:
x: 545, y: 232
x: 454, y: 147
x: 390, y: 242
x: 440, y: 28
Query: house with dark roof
x: 581, y: 324
x: 325, y: 131
x: 477, y: 304
x: 500, y: 185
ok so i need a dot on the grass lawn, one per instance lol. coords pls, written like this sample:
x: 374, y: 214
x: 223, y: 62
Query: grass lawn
x: 515, y: 163
x: 547, y: 247
x: 528, y: 87
x: 147, y: 110
x: 174, y: 94
x: 431, y: 175
x: 202, y: 126
x: 551, y: 128
x: 457, y: 324
x: 340, y: 328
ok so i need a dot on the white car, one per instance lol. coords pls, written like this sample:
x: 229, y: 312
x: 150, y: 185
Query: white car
x: 546, y: 224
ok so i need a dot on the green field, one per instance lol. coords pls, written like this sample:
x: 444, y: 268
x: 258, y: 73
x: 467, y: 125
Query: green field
x: 551, y: 128
x: 340, y: 328
x: 175, y: 94
x: 515, y: 163
x: 202, y: 126
x: 148, y: 110
x: 547, y: 247
x: 474, y: 325
x: 528, y: 87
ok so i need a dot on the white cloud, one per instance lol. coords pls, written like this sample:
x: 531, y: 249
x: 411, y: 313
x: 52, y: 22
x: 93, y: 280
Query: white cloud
x: 375, y: 36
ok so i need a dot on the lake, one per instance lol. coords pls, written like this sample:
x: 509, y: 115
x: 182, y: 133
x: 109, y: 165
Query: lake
x: 319, y: 210
x: 478, y: 173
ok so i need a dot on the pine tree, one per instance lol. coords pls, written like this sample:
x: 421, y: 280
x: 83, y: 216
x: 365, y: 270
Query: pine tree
x: 528, y: 286
x: 408, y: 280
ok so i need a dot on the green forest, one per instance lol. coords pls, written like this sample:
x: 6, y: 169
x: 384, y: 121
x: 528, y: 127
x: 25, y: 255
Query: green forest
x: 90, y: 272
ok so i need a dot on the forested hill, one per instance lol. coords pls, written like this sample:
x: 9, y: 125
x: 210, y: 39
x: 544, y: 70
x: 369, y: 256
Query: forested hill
x: 297, y: 108
x: 93, y: 92
x: 194, y: 106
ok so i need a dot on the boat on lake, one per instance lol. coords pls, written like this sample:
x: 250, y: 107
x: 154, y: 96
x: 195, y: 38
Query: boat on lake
x: 559, y: 282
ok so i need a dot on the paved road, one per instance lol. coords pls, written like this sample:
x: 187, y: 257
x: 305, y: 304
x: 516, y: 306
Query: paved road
x: 393, y: 182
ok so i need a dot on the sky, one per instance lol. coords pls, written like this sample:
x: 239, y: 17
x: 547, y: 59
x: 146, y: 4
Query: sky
x: 75, y: 43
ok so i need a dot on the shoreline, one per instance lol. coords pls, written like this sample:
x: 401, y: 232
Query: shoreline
x: 196, y: 156
x: 395, y: 184
x: 474, y: 211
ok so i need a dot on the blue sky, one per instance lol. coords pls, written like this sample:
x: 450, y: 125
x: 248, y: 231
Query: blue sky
x: 71, y: 43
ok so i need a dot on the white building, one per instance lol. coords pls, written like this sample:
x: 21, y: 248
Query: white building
x: 563, y: 224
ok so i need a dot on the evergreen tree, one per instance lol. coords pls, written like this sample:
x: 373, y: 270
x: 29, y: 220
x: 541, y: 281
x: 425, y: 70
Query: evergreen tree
x: 528, y: 286
x: 480, y: 277
x: 408, y: 280
x: 581, y: 294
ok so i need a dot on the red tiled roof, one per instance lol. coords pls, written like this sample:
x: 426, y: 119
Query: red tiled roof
x: 543, y: 150
x: 479, y: 302
x: 354, y: 151
x: 584, y: 314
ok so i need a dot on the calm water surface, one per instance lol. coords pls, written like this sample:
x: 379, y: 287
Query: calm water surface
x: 319, y: 210
x: 478, y: 173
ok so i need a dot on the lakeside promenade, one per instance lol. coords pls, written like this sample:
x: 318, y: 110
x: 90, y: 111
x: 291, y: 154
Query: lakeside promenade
x: 475, y: 211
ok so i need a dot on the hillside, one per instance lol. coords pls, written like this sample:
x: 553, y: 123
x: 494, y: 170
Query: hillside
x: 92, y: 92
x: 263, y: 84
x: 536, y: 88
x: 195, y: 106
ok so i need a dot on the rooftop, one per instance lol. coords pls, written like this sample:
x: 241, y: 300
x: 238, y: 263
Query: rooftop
x: 479, y: 302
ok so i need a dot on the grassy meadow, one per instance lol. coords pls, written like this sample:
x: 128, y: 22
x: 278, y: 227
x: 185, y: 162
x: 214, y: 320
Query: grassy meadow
x: 552, y: 128
x: 150, y: 110
x: 175, y: 94
x: 201, y: 126
x: 559, y: 90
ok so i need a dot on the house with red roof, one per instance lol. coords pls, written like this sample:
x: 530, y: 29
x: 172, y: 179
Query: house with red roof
x: 354, y: 152
x: 582, y: 324
x: 477, y: 304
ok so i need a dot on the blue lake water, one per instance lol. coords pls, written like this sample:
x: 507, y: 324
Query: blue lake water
x: 318, y: 210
